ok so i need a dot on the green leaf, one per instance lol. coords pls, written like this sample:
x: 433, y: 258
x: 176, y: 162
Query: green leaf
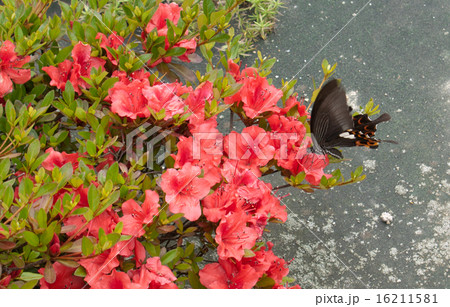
x: 91, y: 148
x: 80, y: 272
x: 220, y: 38
x: 31, y: 238
x: 325, y: 66
x: 69, y: 93
x: 183, y: 267
x: 93, y: 197
x: 208, y: 7
x: 109, y: 83
x: 8, y: 197
x: 42, y: 218
x: 195, y: 281
x: 231, y: 90
x: 47, y: 236
x: 314, y: 94
x: 100, y: 136
x: 48, y: 188
x: 87, y: 248
x: 175, y: 51
x: 30, y: 284
x: 25, y: 188
x: 63, y: 54
x: 27, y: 276
x: 189, y: 250
x: 265, y: 283
x: 33, y: 150
x: 113, y: 173
x: 10, y: 112
x: 169, y: 256
x: 5, y: 165
x: 248, y: 253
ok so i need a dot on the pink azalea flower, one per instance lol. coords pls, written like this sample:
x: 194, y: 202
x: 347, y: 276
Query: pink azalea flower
x: 127, y: 100
x: 9, y: 72
x: 233, y: 236
x: 228, y: 275
x: 113, y: 41
x: 154, y: 275
x: 136, y: 217
x: 251, y: 148
x: 73, y: 71
x: 184, y: 190
x: 59, y: 159
x: 256, y: 94
x: 60, y: 74
x: 164, y: 96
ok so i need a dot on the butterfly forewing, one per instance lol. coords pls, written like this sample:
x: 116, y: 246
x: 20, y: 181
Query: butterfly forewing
x: 332, y: 125
x: 330, y: 115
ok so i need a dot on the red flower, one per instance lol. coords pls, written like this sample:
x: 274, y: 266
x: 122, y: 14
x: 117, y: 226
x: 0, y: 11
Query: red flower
x: 9, y: 62
x: 60, y: 74
x: 233, y: 236
x: 288, y: 138
x: 100, y: 265
x: 64, y: 278
x: 141, y: 75
x: 196, y: 99
x: 136, y: 217
x: 154, y: 275
x: 251, y: 148
x: 170, y: 11
x: 258, y: 200
x: 164, y: 96
x: 234, y: 69
x: 294, y: 108
x: 107, y: 221
x: 127, y: 99
x: 81, y: 67
x: 113, y: 41
x: 59, y: 159
x: 256, y: 94
x: 204, y: 149
x: 278, y: 267
x: 220, y: 202
x: 312, y: 165
x: 228, y: 275
x: 184, y: 190
x: 116, y: 280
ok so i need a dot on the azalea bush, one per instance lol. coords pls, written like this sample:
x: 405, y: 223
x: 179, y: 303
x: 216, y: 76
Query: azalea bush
x: 113, y: 170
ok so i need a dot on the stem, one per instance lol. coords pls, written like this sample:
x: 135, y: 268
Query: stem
x: 18, y: 211
x: 266, y: 174
x: 282, y: 187
x: 231, y: 120
x: 27, y: 266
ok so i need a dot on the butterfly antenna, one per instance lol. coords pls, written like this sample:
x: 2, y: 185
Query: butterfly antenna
x: 388, y: 141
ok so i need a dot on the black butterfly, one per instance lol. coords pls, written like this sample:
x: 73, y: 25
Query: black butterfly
x: 332, y: 124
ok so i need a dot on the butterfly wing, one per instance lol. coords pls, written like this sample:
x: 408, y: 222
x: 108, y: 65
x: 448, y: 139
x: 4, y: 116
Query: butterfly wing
x: 330, y: 115
x: 332, y: 125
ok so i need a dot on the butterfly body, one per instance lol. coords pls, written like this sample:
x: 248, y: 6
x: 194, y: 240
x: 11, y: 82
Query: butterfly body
x: 332, y: 124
